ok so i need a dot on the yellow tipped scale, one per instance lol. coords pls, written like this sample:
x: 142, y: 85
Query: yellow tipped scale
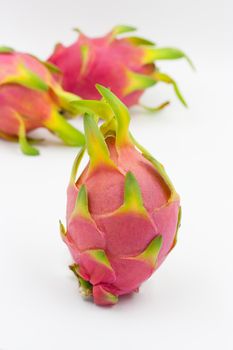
x: 57, y: 124
x: 81, y: 205
x: 137, y: 41
x: 76, y: 164
x: 177, y: 228
x: 121, y: 113
x: 152, y: 54
x: 165, y: 78
x: 85, y: 286
x: 98, y: 108
x: 150, y: 254
x: 24, y: 142
x: 85, y: 51
x: 25, y: 146
x: 121, y: 29
x: 66, y: 99
x: 26, y: 78
x: 96, y: 264
x: 99, y: 256
x: 132, y: 195
x: 95, y: 143
x: 6, y: 49
x: 138, y: 81
x: 62, y: 230
x: 107, y: 297
x: 51, y: 67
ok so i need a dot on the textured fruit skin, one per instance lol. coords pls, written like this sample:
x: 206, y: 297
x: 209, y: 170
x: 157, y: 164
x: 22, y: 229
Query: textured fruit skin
x: 122, y: 64
x: 107, y: 65
x: 30, y: 98
x: 122, y: 211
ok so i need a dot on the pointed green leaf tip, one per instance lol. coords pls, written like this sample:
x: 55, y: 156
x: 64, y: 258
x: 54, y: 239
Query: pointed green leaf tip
x: 51, y: 67
x: 177, y: 228
x: 155, y: 108
x: 104, y: 297
x: 84, y: 49
x: 111, y: 298
x: 137, y: 41
x: 132, y: 196
x: 121, y: 113
x: 85, y: 286
x: 25, y: 146
x: 96, y: 146
x: 138, y: 81
x: 151, y: 252
x: 121, y: 29
x: 162, y: 77
x: 99, y: 256
x: 165, y: 53
x: 66, y: 100
x: 77, y: 30
x: 81, y: 205
x: 27, y: 78
x: 57, y: 124
x: 62, y: 229
x: 6, y: 49
x: 75, y: 166
x: 98, y: 108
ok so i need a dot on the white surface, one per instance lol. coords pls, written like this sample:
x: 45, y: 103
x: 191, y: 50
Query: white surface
x: 187, y: 304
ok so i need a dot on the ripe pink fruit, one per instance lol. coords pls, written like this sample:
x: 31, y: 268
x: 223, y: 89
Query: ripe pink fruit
x: 122, y: 212
x: 31, y: 98
x: 125, y: 65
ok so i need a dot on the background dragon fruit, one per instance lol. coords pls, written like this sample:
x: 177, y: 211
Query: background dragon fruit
x: 31, y: 98
x: 122, y: 212
x: 125, y: 65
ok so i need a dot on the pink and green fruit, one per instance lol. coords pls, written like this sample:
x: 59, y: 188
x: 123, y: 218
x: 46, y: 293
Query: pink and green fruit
x: 31, y: 98
x: 125, y: 65
x: 123, y: 212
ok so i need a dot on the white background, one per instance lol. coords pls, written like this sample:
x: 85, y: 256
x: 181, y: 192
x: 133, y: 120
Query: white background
x: 187, y: 304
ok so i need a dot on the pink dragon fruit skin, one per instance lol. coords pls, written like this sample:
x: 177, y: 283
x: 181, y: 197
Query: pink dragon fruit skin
x: 31, y: 98
x: 122, y: 212
x: 125, y: 65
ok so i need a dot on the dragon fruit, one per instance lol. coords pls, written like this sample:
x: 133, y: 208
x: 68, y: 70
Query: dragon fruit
x: 125, y: 65
x: 31, y: 98
x: 123, y: 212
